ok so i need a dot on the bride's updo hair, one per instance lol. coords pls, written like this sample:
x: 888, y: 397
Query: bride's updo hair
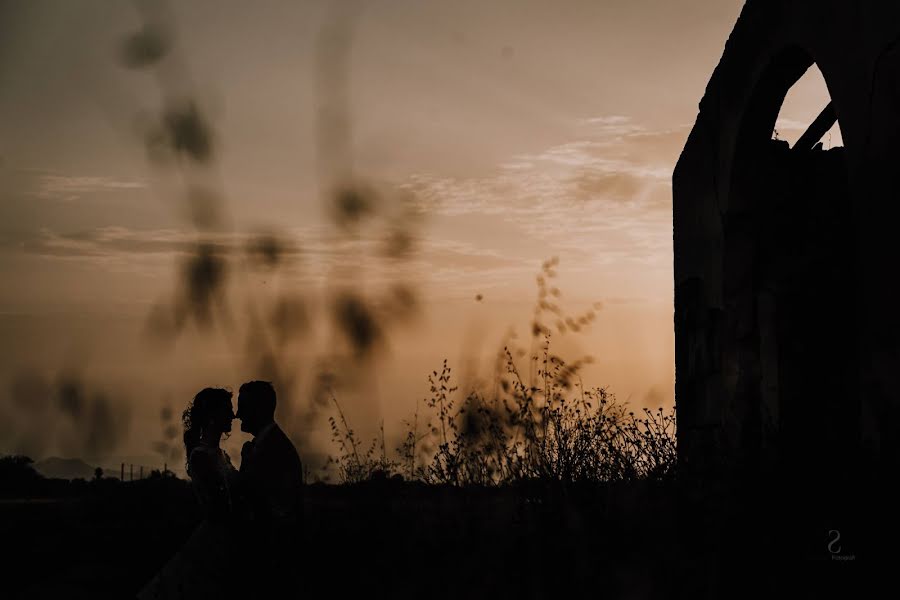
x: 207, y: 403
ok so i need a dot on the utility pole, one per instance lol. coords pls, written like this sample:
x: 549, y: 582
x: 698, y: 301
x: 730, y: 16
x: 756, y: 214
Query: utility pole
x: 122, y: 473
x: 131, y: 472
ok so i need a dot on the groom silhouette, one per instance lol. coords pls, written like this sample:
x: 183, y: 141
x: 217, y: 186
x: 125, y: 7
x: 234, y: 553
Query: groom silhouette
x: 271, y: 471
x: 271, y: 483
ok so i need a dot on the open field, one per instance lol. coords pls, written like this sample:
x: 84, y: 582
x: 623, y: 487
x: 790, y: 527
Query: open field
x: 410, y: 540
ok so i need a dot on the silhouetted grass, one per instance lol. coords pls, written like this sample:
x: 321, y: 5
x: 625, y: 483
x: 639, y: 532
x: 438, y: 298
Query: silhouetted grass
x: 555, y: 432
x: 544, y: 428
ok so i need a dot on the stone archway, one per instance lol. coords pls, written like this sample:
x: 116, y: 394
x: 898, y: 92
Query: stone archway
x: 787, y: 317
x: 787, y: 271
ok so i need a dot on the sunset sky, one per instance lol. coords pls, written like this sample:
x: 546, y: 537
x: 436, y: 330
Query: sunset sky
x: 518, y: 130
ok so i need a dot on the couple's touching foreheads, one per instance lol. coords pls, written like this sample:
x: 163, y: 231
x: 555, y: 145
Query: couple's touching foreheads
x: 252, y: 516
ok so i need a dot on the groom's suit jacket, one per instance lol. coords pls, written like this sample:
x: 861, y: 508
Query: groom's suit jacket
x: 272, y: 477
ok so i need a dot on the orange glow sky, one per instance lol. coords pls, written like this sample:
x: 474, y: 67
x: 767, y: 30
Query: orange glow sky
x: 523, y: 129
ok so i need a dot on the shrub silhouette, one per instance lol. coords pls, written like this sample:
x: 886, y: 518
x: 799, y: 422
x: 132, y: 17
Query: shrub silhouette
x: 17, y: 472
x: 551, y: 429
x: 558, y: 432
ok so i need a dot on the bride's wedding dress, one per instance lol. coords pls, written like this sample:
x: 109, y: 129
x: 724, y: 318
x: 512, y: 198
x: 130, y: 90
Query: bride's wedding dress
x: 203, y: 567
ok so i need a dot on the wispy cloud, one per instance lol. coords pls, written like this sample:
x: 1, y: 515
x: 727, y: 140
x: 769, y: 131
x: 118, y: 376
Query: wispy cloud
x: 786, y: 124
x: 607, y: 195
x: 311, y: 255
x: 602, y: 202
x: 108, y: 242
x: 610, y: 125
x: 68, y: 187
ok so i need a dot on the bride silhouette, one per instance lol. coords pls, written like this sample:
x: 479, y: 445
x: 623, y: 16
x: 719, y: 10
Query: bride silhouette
x: 202, y: 568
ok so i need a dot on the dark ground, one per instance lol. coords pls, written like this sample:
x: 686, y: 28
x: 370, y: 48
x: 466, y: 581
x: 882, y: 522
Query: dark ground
x: 402, y: 540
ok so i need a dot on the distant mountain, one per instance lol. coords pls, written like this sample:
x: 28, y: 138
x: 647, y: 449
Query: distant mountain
x: 64, y: 468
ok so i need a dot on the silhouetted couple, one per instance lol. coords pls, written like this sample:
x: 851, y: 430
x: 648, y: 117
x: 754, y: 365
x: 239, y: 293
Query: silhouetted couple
x: 247, y: 545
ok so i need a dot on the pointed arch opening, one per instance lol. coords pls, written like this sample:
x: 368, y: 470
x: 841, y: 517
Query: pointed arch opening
x: 787, y: 268
x: 807, y: 102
